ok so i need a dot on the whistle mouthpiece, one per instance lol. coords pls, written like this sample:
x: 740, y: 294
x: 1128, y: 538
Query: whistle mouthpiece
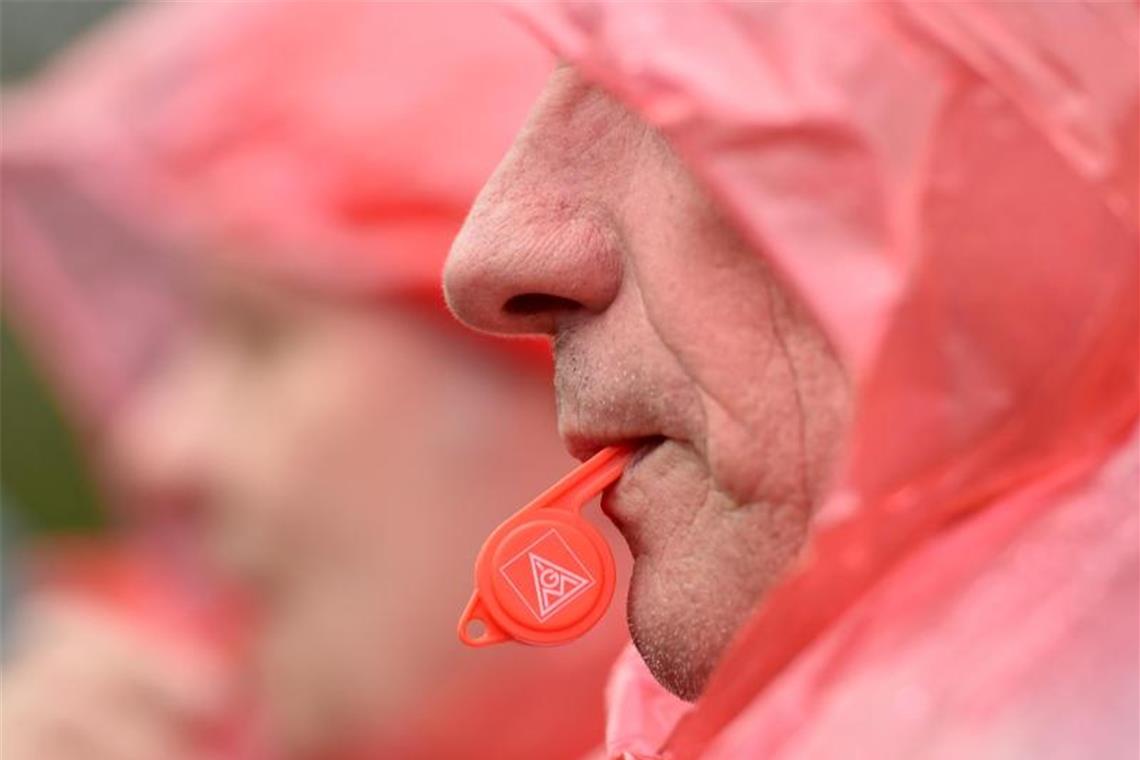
x: 545, y: 576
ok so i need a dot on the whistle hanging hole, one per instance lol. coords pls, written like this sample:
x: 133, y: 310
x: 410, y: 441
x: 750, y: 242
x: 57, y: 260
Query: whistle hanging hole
x: 476, y: 629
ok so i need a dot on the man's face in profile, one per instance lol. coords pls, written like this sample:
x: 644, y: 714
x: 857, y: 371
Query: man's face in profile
x: 668, y: 330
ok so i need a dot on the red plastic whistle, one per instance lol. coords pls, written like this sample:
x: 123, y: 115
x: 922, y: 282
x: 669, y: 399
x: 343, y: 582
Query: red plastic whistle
x: 545, y: 576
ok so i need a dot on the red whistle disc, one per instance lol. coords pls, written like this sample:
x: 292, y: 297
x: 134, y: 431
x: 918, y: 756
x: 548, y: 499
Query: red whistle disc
x: 546, y: 575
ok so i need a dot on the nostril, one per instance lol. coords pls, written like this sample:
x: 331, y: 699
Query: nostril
x: 530, y: 304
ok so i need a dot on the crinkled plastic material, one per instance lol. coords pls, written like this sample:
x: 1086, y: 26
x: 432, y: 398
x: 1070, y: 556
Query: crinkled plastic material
x: 951, y: 188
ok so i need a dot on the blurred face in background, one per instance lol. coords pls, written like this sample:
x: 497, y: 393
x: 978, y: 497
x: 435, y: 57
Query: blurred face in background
x: 338, y: 458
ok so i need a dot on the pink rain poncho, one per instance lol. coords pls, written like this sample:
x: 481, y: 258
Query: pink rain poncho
x: 336, y: 145
x: 951, y: 189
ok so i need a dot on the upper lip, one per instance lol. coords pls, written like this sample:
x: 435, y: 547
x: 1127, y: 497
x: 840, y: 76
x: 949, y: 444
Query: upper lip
x: 583, y: 445
x: 591, y: 418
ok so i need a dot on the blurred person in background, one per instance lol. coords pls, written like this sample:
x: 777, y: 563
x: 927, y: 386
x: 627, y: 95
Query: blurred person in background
x: 284, y: 405
x: 860, y: 279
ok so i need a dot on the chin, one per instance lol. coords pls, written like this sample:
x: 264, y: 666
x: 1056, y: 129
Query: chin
x: 672, y: 667
x: 691, y: 592
x: 679, y: 638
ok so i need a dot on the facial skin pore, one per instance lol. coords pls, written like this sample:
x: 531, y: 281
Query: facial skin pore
x: 668, y: 329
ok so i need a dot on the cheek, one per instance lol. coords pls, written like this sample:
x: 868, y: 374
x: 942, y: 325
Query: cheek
x: 309, y: 453
x: 721, y: 328
x: 711, y: 301
x: 355, y: 447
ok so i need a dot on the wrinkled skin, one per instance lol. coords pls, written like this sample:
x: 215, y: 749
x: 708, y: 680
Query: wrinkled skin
x: 667, y: 327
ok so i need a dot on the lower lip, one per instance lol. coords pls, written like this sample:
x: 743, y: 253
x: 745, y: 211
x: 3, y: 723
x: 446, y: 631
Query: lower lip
x: 608, y: 496
x: 648, y: 447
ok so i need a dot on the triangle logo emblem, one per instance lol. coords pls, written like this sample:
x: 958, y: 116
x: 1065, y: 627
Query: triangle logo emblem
x: 554, y: 585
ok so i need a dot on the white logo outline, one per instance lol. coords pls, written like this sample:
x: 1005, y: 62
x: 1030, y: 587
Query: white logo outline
x: 548, y: 609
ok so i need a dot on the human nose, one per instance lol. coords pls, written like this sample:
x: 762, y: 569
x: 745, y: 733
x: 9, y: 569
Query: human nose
x: 159, y: 447
x: 540, y: 245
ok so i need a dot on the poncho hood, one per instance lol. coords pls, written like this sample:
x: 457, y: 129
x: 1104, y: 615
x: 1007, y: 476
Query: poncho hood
x: 951, y: 189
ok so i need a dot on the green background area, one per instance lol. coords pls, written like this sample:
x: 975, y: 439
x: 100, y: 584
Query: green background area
x: 44, y: 482
x: 44, y: 479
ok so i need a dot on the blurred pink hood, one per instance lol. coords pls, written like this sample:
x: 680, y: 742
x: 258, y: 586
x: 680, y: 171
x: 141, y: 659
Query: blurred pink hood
x: 951, y: 188
x: 335, y: 144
